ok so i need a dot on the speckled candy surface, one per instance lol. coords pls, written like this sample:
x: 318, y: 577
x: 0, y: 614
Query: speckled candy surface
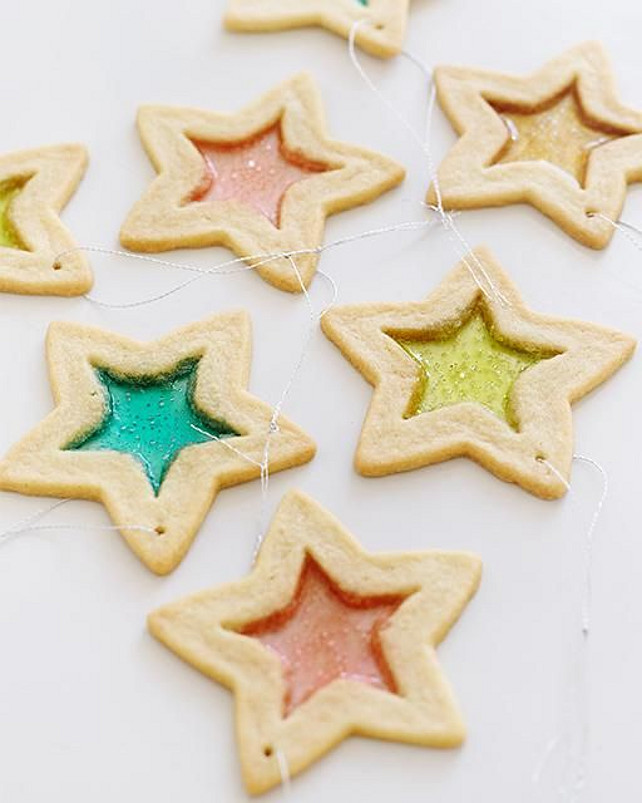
x: 326, y: 634
x: 470, y: 365
x: 152, y: 419
x: 559, y: 133
x: 257, y: 172
x: 8, y: 235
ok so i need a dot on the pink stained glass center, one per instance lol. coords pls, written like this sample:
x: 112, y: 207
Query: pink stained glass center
x: 256, y: 172
x: 325, y: 634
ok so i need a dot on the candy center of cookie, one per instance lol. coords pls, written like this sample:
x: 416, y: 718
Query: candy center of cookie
x: 558, y: 132
x: 326, y: 634
x: 152, y: 418
x: 256, y: 172
x: 469, y: 365
x: 9, y: 237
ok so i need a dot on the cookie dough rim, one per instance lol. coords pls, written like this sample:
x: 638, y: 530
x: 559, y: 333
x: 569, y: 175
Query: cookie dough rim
x: 50, y: 265
x: 162, y: 220
x: 381, y: 34
x: 38, y: 465
x: 468, y: 179
x: 201, y: 630
x: 541, y: 396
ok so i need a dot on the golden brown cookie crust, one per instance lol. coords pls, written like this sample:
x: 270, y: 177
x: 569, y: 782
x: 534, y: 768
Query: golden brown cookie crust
x: 161, y: 220
x: 202, y: 629
x: 48, y: 265
x: 541, y: 396
x: 469, y: 179
x: 39, y: 464
x: 380, y: 34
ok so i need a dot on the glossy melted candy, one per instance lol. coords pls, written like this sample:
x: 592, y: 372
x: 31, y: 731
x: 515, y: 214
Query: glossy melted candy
x: 256, y: 172
x: 325, y: 634
x: 8, y: 235
x: 471, y: 365
x: 559, y: 133
x: 152, y: 419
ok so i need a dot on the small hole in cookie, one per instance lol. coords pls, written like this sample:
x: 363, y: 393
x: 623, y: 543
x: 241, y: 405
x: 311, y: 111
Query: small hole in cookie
x: 541, y: 458
x: 57, y: 266
x: 379, y: 27
x: 590, y: 213
x: 160, y: 530
x: 267, y: 751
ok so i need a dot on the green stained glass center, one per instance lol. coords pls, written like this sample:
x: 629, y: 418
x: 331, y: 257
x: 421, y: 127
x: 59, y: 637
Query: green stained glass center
x: 469, y: 366
x: 8, y: 235
x: 153, y: 419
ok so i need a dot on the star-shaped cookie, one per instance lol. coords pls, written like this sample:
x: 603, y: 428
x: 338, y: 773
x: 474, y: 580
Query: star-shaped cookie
x: 472, y: 372
x: 323, y: 640
x: 34, y: 186
x: 380, y: 34
x: 152, y: 430
x: 558, y: 139
x: 260, y: 182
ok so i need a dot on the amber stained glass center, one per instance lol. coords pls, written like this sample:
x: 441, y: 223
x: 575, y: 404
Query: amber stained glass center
x: 559, y: 132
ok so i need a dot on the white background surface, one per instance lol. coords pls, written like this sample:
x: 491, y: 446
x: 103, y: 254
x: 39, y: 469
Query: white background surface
x: 91, y: 707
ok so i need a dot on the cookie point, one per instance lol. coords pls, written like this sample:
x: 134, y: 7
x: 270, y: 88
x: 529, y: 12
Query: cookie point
x: 551, y: 484
x: 592, y: 46
x: 474, y: 563
x: 75, y: 150
x: 160, y: 624
x: 295, y: 498
x: 457, y: 736
x: 367, y: 464
x: 160, y: 569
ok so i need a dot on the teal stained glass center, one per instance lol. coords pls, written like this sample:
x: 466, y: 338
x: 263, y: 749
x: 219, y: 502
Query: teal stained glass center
x: 153, y: 419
